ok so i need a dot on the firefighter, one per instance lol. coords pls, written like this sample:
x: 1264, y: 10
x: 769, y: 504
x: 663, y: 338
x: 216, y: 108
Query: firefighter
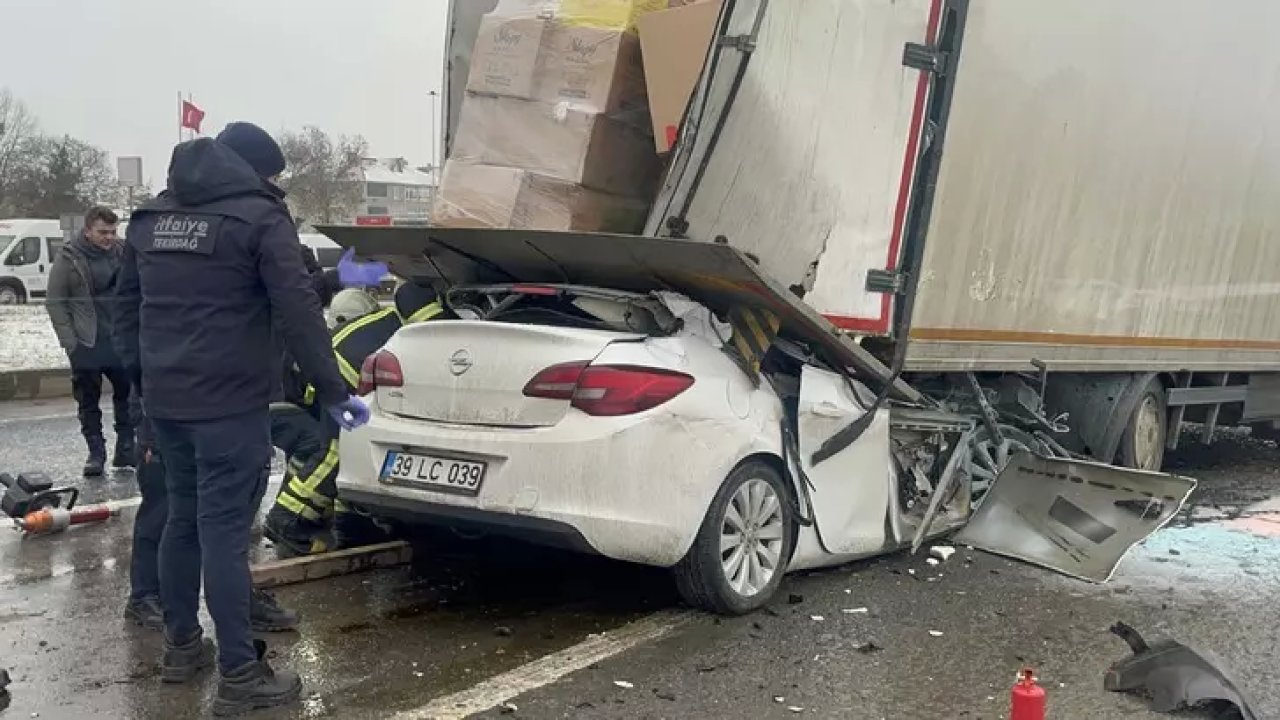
x: 307, y: 516
x: 210, y: 274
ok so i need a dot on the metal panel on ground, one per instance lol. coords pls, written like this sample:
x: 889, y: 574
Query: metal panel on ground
x: 1107, y: 194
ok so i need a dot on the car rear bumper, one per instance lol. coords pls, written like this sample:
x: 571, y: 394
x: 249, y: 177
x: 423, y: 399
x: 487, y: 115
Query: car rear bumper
x: 522, y: 527
x: 633, y: 489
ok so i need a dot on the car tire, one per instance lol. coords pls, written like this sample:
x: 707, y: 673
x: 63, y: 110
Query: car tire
x: 705, y: 577
x: 1142, y: 443
x: 12, y: 293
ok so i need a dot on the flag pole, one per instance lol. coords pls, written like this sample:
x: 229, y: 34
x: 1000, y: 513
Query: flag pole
x: 179, y: 117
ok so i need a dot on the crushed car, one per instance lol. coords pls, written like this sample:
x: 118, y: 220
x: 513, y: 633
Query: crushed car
x: 663, y: 402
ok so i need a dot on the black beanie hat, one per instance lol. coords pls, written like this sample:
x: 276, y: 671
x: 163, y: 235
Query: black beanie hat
x: 254, y: 145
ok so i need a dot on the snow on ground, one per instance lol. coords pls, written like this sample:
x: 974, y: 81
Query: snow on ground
x: 27, y: 341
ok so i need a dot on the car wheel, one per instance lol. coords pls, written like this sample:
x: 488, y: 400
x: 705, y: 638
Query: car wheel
x: 1142, y: 444
x: 10, y: 294
x: 742, y: 549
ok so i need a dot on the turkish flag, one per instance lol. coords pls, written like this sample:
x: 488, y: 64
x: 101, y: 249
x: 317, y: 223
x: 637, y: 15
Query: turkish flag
x: 191, y: 116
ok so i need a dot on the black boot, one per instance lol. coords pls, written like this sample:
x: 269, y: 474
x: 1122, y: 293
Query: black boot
x: 145, y: 612
x: 183, y: 662
x: 96, y: 464
x: 126, y: 454
x: 267, y: 615
x: 255, y: 686
x: 351, y: 529
x: 291, y: 534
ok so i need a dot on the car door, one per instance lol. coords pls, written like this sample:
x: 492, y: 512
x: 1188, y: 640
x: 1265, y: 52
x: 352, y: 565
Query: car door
x: 850, y: 491
x: 1073, y: 516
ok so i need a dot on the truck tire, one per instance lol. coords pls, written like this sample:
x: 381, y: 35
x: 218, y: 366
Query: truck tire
x: 1143, y: 441
x: 12, y: 293
x: 742, y: 550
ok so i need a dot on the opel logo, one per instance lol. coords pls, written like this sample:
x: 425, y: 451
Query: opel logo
x: 460, y: 362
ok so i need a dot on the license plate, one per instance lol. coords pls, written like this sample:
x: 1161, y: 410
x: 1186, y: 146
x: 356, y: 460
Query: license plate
x: 434, y: 472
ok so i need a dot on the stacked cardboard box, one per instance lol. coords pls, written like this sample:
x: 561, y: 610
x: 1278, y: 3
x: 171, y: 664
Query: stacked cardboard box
x: 554, y: 129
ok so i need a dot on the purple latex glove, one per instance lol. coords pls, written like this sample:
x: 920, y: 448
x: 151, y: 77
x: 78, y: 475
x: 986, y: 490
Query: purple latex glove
x: 350, y: 414
x: 352, y: 273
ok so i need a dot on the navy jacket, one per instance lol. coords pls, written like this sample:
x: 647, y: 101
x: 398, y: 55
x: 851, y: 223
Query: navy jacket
x: 210, y: 267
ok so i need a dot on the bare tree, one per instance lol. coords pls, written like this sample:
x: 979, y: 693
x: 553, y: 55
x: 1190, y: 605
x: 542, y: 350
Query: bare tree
x: 323, y: 177
x: 51, y: 176
x: 17, y: 126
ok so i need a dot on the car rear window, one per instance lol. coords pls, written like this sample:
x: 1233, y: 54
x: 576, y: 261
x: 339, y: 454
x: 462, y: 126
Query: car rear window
x: 564, y: 306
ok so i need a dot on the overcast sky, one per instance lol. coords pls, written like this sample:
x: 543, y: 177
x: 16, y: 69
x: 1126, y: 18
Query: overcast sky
x: 109, y: 71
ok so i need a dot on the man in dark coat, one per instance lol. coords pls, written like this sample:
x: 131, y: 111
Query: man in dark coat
x: 211, y: 273
x: 79, y: 302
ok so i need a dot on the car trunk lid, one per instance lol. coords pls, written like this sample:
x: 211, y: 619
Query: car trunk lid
x: 475, y: 372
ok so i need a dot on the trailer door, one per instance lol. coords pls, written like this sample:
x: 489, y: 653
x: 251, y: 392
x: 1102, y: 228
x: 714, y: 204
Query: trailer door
x: 801, y: 142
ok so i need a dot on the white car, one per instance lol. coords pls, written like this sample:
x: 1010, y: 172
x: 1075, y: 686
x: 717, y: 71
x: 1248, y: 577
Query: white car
x: 631, y: 424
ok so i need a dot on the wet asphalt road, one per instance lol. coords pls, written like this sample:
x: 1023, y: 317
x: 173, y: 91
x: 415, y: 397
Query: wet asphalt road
x: 393, y: 641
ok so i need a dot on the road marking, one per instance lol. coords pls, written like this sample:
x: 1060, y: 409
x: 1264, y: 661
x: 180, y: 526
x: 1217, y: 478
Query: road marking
x: 544, y: 671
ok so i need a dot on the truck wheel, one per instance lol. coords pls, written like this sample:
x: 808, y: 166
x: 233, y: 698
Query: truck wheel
x: 742, y: 549
x: 11, y: 293
x: 1142, y: 443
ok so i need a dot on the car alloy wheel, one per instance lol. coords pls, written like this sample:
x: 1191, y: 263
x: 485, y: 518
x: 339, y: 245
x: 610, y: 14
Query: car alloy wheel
x: 742, y: 549
x: 751, y: 537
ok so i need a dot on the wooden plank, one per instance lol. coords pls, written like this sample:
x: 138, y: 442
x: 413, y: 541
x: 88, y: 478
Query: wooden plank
x: 340, y: 562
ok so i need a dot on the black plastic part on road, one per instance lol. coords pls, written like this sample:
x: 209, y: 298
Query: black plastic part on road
x: 1173, y: 675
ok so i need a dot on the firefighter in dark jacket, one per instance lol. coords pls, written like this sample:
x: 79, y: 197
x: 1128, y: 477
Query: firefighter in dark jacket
x: 299, y: 521
x: 209, y: 269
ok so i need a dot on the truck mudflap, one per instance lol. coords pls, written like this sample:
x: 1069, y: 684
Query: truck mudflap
x: 1073, y: 516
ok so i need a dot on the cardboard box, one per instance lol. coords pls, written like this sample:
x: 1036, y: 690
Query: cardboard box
x: 503, y: 197
x: 505, y: 58
x: 674, y: 44
x: 585, y: 148
x: 592, y: 69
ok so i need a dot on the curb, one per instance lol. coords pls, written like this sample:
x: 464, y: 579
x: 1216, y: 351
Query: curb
x: 35, y: 384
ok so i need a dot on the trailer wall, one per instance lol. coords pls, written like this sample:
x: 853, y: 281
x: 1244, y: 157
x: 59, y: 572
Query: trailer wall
x: 1109, y: 193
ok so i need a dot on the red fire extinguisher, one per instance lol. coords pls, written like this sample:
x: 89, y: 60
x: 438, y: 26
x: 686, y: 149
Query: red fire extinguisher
x: 1027, y: 701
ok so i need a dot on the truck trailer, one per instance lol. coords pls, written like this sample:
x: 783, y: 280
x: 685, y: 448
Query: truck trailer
x: 1070, y: 205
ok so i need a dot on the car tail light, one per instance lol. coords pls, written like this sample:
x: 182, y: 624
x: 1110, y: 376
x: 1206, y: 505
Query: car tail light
x: 556, y: 382
x: 608, y: 390
x: 381, y: 369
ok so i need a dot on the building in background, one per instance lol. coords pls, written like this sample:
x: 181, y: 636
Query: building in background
x: 395, y: 193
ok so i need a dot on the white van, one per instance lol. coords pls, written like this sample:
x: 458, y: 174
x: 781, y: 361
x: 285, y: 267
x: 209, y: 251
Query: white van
x: 27, y: 250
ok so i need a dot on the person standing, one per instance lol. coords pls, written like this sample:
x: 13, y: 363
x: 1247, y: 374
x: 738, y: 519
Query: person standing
x: 79, y: 302
x: 211, y: 273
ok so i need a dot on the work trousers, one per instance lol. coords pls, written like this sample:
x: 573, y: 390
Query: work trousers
x: 88, y: 367
x: 215, y: 480
x: 148, y: 528
x: 310, y: 445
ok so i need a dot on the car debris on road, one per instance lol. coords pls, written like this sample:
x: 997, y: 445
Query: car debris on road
x: 1173, y: 675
